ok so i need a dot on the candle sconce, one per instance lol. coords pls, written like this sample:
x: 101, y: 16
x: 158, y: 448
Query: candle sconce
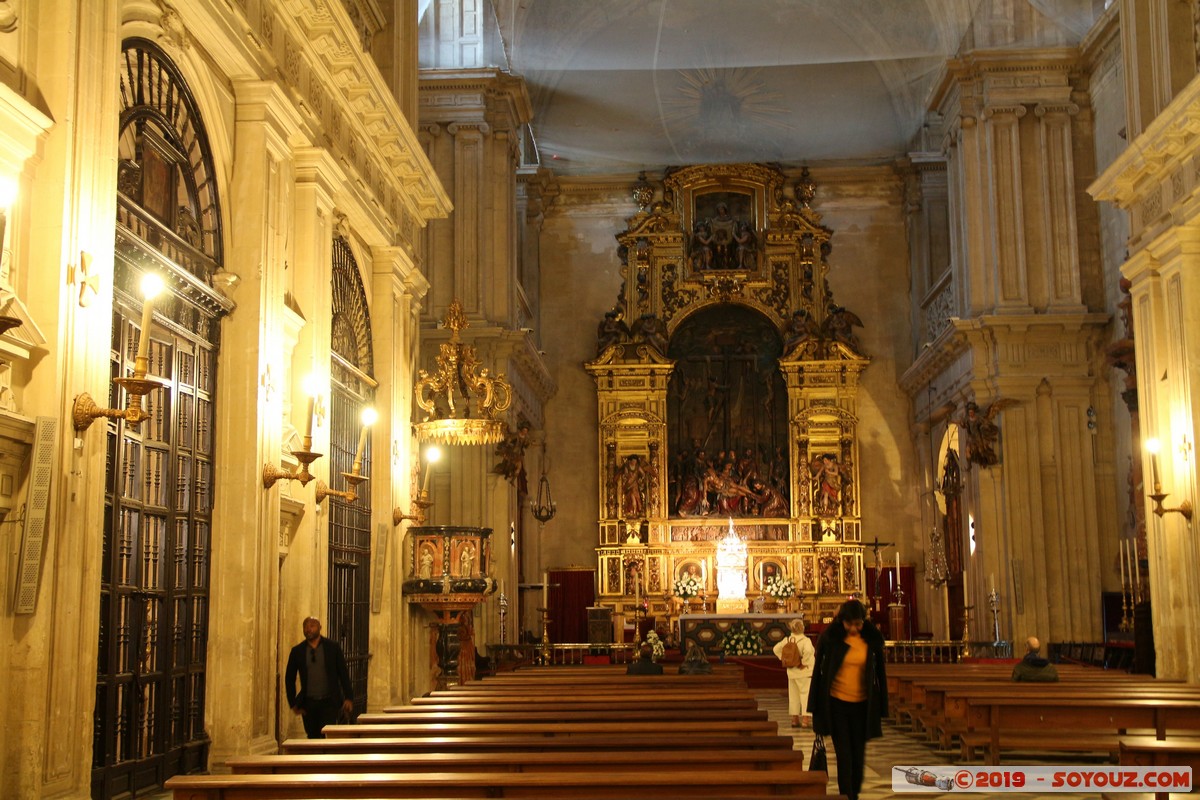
x: 1184, y: 508
x: 350, y: 494
x: 1158, y: 495
x: 86, y: 410
x: 272, y: 473
x: 421, y: 503
x: 354, y: 477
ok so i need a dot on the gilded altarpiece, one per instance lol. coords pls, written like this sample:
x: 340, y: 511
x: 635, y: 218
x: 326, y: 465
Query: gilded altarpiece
x: 727, y: 381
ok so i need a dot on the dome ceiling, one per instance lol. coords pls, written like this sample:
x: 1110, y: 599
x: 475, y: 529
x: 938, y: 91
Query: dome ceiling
x: 623, y: 85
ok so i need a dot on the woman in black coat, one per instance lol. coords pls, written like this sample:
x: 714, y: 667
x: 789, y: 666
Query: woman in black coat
x: 848, y: 697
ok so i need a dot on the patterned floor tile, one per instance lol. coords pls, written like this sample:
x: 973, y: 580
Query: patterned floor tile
x: 896, y: 748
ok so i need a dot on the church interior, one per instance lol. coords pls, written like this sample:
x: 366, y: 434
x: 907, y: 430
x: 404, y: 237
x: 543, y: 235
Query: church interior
x: 497, y: 333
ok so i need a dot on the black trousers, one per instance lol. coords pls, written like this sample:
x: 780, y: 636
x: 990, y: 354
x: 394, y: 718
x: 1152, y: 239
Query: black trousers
x: 318, y: 714
x: 848, y: 730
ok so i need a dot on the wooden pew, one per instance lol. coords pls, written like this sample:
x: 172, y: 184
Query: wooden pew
x: 669, y: 728
x: 604, y: 696
x: 596, y: 743
x: 476, y: 704
x: 1147, y: 751
x: 1011, y: 722
x: 695, y: 716
x: 522, y: 761
x: 634, y: 785
x: 945, y: 707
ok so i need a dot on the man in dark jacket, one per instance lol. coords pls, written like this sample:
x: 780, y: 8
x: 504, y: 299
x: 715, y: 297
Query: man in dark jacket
x: 324, y: 680
x: 848, y: 696
x: 1033, y: 667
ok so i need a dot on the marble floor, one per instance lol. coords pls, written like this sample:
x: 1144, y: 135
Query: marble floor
x: 896, y: 748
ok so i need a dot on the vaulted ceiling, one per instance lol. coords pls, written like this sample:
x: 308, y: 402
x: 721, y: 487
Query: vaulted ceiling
x: 623, y: 85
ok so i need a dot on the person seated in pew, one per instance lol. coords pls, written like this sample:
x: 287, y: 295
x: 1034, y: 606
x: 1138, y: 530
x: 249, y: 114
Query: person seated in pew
x: 695, y: 662
x: 1033, y: 667
x: 645, y: 664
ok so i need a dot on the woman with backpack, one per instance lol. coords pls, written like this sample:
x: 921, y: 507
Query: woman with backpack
x: 796, y: 652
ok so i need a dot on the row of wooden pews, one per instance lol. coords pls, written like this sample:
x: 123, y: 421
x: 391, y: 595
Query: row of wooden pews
x: 584, y: 732
x: 1088, y: 711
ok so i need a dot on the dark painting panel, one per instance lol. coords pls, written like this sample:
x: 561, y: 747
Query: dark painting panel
x: 727, y: 439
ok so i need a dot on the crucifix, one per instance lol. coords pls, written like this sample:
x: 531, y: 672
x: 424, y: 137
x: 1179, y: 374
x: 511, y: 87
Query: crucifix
x: 876, y: 546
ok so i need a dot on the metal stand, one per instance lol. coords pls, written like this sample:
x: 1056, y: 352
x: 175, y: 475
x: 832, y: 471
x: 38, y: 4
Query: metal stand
x: 994, y: 604
x: 544, y: 655
x: 503, y: 618
x: 966, y: 632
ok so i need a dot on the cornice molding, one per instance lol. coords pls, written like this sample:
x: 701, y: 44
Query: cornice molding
x: 338, y: 85
x: 1169, y: 141
x: 22, y: 131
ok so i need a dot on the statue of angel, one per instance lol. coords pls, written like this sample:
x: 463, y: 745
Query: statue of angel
x: 839, y: 326
x: 982, y: 432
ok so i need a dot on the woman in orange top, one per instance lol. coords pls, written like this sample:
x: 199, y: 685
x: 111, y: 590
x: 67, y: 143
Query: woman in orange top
x: 848, y: 696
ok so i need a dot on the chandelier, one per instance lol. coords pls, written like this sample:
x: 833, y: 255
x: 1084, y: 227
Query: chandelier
x: 460, y: 399
x: 544, y: 508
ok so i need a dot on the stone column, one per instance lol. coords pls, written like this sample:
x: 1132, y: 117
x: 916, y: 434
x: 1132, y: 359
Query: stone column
x: 1022, y: 251
x: 242, y: 656
x: 1166, y: 295
x: 65, y: 210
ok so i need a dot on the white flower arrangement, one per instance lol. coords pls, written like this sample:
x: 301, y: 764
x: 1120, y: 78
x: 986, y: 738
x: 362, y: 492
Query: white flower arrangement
x: 781, y: 588
x: 687, y: 586
x: 657, y: 647
x: 742, y: 641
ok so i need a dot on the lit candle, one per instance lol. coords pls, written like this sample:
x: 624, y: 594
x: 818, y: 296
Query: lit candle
x: 1122, y: 559
x: 311, y: 389
x: 545, y: 590
x: 1152, y: 447
x: 1136, y: 582
x: 432, y: 454
x: 151, y: 285
x: 368, y: 419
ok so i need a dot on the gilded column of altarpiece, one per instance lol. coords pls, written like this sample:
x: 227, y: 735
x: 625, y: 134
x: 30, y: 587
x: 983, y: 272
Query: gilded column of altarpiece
x: 727, y: 380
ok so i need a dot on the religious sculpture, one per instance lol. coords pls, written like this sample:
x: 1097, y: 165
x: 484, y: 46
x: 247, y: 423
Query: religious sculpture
x: 650, y: 330
x: 466, y: 561
x: 612, y: 330
x: 982, y: 432
x: 511, y: 452
x: 839, y: 326
x: 632, y: 487
x: 425, y: 571
x: 827, y: 479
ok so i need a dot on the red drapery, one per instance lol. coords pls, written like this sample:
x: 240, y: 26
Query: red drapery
x: 571, y: 592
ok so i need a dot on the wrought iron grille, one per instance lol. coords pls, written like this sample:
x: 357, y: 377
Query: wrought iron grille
x: 353, y: 388
x: 150, y: 679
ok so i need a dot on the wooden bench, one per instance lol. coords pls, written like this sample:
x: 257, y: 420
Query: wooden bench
x: 606, y: 696
x: 944, y: 708
x: 695, y: 716
x: 596, y: 743
x: 748, y: 703
x: 635, y: 785
x: 522, y: 761
x: 1147, y: 751
x: 669, y: 728
x: 997, y: 716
